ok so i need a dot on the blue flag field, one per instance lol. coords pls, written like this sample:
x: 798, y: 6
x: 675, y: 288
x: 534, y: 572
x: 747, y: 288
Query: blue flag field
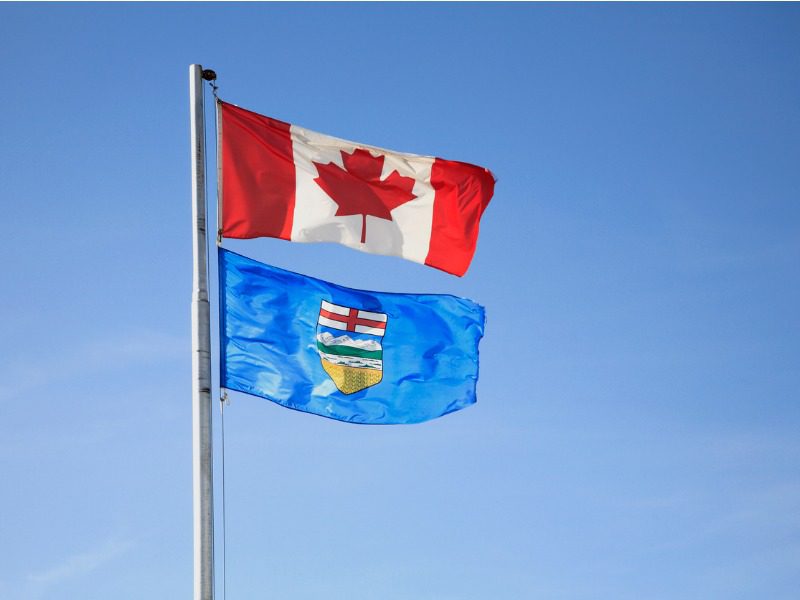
x: 352, y: 355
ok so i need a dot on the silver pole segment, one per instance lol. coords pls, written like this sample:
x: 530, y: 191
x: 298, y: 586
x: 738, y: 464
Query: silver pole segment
x: 202, y: 474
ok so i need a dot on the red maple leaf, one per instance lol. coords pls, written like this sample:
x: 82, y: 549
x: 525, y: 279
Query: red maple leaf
x: 359, y: 190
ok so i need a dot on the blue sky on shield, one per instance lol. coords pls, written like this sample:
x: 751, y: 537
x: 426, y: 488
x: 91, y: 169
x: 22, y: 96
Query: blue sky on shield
x: 636, y: 431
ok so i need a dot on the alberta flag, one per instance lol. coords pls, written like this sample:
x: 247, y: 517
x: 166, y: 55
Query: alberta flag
x: 284, y: 181
x: 352, y: 355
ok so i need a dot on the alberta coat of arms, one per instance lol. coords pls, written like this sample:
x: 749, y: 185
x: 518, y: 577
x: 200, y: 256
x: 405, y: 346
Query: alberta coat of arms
x: 353, y: 359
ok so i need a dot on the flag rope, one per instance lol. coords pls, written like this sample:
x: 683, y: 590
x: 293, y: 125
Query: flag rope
x: 218, y: 141
x: 223, y: 400
x: 223, y: 394
x: 210, y: 76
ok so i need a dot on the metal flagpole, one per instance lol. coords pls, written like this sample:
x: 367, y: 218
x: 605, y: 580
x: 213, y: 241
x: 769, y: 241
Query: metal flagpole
x: 202, y: 473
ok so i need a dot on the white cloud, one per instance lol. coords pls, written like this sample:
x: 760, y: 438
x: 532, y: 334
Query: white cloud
x: 38, y: 584
x: 79, y: 564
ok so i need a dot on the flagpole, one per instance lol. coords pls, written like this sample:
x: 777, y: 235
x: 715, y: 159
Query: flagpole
x: 202, y: 473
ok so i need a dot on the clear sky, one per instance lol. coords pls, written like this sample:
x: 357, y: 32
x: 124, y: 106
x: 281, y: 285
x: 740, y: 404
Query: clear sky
x: 636, y: 431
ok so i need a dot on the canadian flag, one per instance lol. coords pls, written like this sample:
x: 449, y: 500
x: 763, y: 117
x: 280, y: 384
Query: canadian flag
x: 283, y: 181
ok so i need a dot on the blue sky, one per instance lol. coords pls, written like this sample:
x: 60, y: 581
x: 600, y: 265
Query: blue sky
x: 636, y: 432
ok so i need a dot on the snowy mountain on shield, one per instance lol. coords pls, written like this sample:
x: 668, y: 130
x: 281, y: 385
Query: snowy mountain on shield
x: 345, y: 340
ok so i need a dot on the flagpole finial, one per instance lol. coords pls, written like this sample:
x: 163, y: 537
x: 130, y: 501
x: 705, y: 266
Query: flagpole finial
x: 209, y: 75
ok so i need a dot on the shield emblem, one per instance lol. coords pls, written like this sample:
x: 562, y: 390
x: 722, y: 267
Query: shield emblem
x: 349, y: 343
